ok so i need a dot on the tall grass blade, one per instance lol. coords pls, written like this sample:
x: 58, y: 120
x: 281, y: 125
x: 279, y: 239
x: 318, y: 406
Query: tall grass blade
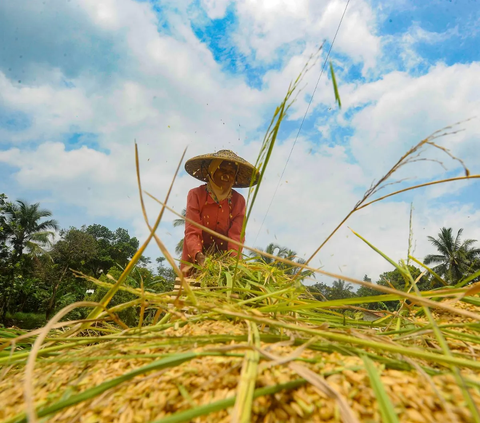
x: 438, y: 334
x: 467, y: 280
x: 384, y: 404
x: 131, y: 265
x: 401, y: 269
x: 431, y: 271
x: 335, y: 87
x: 410, y: 156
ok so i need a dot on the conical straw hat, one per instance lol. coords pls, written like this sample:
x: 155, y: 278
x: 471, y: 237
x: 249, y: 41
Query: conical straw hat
x: 198, y: 167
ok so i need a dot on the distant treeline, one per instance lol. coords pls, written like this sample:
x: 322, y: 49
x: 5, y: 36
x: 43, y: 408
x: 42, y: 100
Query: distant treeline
x: 37, y: 258
x: 35, y: 271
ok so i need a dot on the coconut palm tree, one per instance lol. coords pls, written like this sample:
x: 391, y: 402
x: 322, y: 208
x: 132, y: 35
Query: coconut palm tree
x: 282, y: 252
x: 274, y: 250
x: 340, y: 290
x: 456, y: 259
x: 177, y: 223
x: 24, y: 231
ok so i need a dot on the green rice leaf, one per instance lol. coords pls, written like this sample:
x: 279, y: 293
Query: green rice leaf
x: 385, y: 405
x: 468, y: 279
x: 335, y: 87
x: 431, y: 271
x: 401, y: 269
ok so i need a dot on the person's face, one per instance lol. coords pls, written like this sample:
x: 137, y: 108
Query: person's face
x: 225, y: 175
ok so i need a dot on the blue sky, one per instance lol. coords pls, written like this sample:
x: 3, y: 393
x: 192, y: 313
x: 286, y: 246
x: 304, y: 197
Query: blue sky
x: 81, y: 80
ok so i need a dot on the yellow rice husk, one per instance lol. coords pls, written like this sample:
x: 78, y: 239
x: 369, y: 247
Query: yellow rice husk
x: 207, y: 379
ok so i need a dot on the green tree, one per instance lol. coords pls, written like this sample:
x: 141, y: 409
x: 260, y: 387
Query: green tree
x: 286, y: 253
x: 75, y: 250
x: 272, y: 249
x: 365, y: 291
x: 25, y: 231
x: 319, y: 290
x: 395, y: 279
x: 138, y: 276
x: 113, y: 247
x: 176, y: 224
x: 340, y: 290
x: 455, y: 259
x: 165, y: 280
x: 4, y: 250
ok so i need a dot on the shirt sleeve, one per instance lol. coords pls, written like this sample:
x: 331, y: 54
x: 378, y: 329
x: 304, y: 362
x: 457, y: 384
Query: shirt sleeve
x: 235, y: 230
x: 193, y: 235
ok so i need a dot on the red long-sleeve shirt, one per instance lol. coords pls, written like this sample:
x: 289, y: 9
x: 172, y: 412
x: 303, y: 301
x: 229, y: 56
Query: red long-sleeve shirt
x: 225, y: 217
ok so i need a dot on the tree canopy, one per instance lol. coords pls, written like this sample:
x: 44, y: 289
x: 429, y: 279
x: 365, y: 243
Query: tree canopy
x: 36, y: 272
x: 286, y: 253
x: 455, y: 259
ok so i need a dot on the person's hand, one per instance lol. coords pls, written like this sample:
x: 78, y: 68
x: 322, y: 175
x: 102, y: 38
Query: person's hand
x: 200, y: 259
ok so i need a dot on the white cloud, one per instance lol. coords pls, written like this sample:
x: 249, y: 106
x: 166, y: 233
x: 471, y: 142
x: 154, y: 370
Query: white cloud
x: 215, y: 9
x: 406, y: 44
x: 403, y: 110
x: 167, y: 92
x: 267, y: 26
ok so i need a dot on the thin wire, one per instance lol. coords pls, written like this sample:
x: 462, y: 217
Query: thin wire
x: 303, y: 120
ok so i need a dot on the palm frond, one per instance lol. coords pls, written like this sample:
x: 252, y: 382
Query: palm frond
x: 433, y: 258
x: 180, y: 222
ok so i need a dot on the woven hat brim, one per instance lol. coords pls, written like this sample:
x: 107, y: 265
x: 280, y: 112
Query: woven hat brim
x: 198, y: 168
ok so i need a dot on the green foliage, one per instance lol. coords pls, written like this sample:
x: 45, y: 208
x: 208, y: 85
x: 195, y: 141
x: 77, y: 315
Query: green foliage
x: 319, y: 290
x: 165, y: 279
x: 455, y: 259
x: 36, y: 276
x: 365, y: 291
x: 128, y: 316
x: 140, y: 275
x: 23, y: 230
x: 286, y: 253
x: 338, y: 291
x: 113, y: 247
x: 341, y: 290
x: 75, y: 250
x: 26, y: 320
x: 4, y: 252
x: 393, y: 279
x: 397, y: 280
x: 176, y: 223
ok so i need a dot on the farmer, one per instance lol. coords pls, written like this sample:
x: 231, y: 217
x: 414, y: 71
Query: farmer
x: 215, y: 204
